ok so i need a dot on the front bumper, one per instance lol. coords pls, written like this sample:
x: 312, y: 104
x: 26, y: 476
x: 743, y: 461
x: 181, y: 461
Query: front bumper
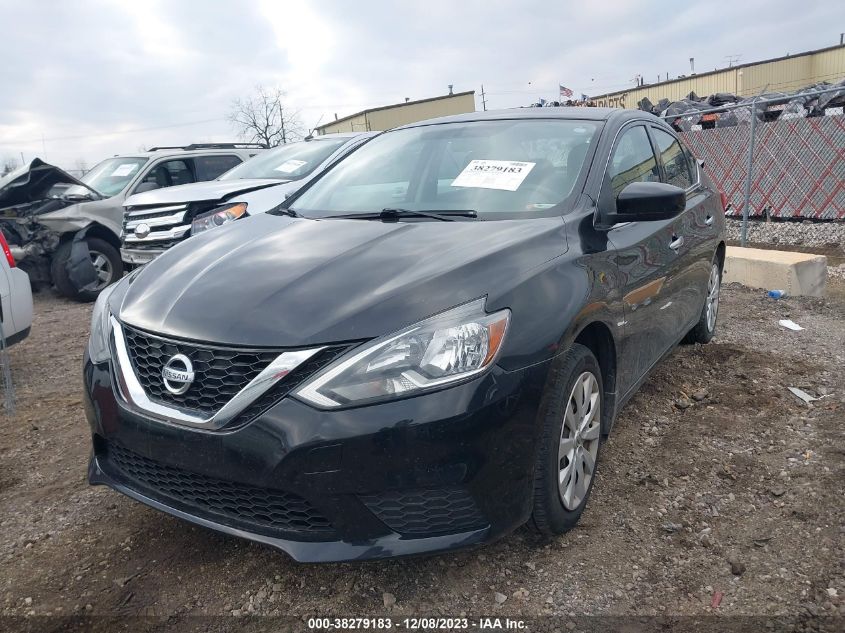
x: 431, y: 473
x: 139, y: 257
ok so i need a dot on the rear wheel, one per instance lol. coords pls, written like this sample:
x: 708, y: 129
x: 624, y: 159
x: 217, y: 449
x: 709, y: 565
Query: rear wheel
x: 107, y: 266
x: 570, y: 443
x: 706, y: 327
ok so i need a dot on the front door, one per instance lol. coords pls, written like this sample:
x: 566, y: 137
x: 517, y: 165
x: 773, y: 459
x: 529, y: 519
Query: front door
x: 695, y: 226
x: 647, y: 257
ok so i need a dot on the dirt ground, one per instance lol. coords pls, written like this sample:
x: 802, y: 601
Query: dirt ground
x: 718, y: 492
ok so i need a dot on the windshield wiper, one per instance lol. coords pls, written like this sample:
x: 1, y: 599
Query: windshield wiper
x: 444, y: 215
x: 280, y: 210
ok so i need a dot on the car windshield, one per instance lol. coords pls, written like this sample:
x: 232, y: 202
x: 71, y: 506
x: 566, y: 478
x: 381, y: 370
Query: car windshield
x: 501, y: 169
x: 108, y: 177
x: 288, y: 162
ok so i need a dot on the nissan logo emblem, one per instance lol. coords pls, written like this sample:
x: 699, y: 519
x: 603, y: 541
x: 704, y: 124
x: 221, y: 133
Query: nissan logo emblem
x: 178, y: 374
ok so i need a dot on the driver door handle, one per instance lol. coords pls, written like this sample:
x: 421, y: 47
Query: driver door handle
x: 676, y: 243
x: 709, y: 220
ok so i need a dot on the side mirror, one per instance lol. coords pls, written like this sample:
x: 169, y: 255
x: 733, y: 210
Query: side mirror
x: 645, y: 201
x: 146, y: 186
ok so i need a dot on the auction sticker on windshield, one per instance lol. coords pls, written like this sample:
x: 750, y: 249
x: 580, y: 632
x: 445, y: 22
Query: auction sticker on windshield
x: 493, y: 174
x: 124, y: 170
x: 290, y: 166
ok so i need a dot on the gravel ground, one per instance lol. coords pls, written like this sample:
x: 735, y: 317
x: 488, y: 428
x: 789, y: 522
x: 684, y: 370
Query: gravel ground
x: 806, y: 233
x: 719, y: 492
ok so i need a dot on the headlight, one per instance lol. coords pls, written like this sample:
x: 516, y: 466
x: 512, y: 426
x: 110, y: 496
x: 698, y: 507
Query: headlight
x: 218, y: 217
x: 446, y: 348
x: 98, y: 341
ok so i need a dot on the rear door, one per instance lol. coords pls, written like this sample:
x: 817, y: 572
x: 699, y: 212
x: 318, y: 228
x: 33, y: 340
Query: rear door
x: 646, y: 258
x: 695, y: 227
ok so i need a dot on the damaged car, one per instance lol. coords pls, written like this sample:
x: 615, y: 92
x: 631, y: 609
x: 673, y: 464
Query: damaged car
x: 34, y: 220
x: 66, y: 231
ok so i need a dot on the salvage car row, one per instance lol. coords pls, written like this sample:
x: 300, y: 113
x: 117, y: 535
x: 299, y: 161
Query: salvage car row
x: 82, y: 235
x: 405, y: 342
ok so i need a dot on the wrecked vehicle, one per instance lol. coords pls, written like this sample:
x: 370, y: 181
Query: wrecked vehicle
x: 34, y: 219
x: 66, y: 231
x: 157, y: 220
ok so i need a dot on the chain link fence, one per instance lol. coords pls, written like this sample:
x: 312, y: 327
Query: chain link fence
x: 778, y: 157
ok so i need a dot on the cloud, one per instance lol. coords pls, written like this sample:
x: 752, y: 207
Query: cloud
x: 87, y: 74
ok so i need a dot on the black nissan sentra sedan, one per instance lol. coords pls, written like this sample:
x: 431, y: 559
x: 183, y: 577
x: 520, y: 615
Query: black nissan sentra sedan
x: 423, y: 349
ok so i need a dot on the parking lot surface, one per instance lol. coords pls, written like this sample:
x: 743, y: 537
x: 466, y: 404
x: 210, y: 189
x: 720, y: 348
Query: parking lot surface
x: 718, y: 492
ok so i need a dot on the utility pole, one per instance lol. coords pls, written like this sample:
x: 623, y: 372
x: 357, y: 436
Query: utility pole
x: 483, y: 100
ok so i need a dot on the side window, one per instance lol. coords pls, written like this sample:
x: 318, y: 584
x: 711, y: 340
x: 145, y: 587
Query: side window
x: 675, y: 163
x: 169, y: 173
x: 632, y: 160
x: 210, y: 167
x: 693, y: 163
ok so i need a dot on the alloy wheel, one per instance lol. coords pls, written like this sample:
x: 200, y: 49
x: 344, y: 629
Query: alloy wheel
x: 579, y: 441
x: 103, y: 268
x: 712, y: 304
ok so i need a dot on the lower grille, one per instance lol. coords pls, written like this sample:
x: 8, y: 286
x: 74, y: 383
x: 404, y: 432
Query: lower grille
x: 237, y: 505
x: 152, y: 246
x: 426, y: 512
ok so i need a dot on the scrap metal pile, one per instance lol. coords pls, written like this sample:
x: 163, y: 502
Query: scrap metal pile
x: 698, y: 111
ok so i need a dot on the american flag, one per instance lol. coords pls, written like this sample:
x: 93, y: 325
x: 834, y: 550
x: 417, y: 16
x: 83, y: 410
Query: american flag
x: 565, y: 92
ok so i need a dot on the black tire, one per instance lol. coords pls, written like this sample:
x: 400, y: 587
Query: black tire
x: 705, y: 329
x: 549, y: 515
x: 65, y: 286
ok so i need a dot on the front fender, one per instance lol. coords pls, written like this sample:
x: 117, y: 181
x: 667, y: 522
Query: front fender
x: 553, y: 303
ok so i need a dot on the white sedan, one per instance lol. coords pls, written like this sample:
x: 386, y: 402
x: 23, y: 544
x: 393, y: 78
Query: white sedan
x: 15, y: 297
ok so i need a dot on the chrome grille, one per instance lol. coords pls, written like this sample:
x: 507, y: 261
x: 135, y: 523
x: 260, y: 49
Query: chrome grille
x: 220, y: 373
x: 168, y: 225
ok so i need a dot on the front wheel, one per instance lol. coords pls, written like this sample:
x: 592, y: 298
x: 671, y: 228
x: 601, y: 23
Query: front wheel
x: 706, y: 327
x: 107, y: 266
x: 570, y: 443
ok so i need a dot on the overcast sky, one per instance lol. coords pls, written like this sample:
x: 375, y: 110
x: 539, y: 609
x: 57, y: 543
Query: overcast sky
x: 95, y: 77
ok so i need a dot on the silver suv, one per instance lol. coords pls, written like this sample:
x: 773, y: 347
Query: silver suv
x: 158, y: 220
x: 67, y: 232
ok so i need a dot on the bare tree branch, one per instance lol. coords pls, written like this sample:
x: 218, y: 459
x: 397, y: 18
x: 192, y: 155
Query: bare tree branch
x: 263, y: 118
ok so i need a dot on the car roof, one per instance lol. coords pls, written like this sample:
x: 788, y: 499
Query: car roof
x: 235, y: 150
x: 342, y: 135
x: 570, y: 113
x: 192, y: 152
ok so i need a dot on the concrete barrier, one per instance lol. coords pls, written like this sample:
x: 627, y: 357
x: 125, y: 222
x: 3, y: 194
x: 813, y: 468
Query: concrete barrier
x: 796, y: 273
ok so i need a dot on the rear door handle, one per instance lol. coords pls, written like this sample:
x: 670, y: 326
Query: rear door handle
x: 676, y: 243
x: 709, y: 220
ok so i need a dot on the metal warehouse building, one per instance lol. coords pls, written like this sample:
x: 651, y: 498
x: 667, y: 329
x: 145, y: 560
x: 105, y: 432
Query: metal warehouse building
x: 391, y: 116
x: 782, y: 74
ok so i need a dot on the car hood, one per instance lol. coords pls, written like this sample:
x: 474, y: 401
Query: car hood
x: 278, y: 281
x: 32, y: 182
x: 200, y: 191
